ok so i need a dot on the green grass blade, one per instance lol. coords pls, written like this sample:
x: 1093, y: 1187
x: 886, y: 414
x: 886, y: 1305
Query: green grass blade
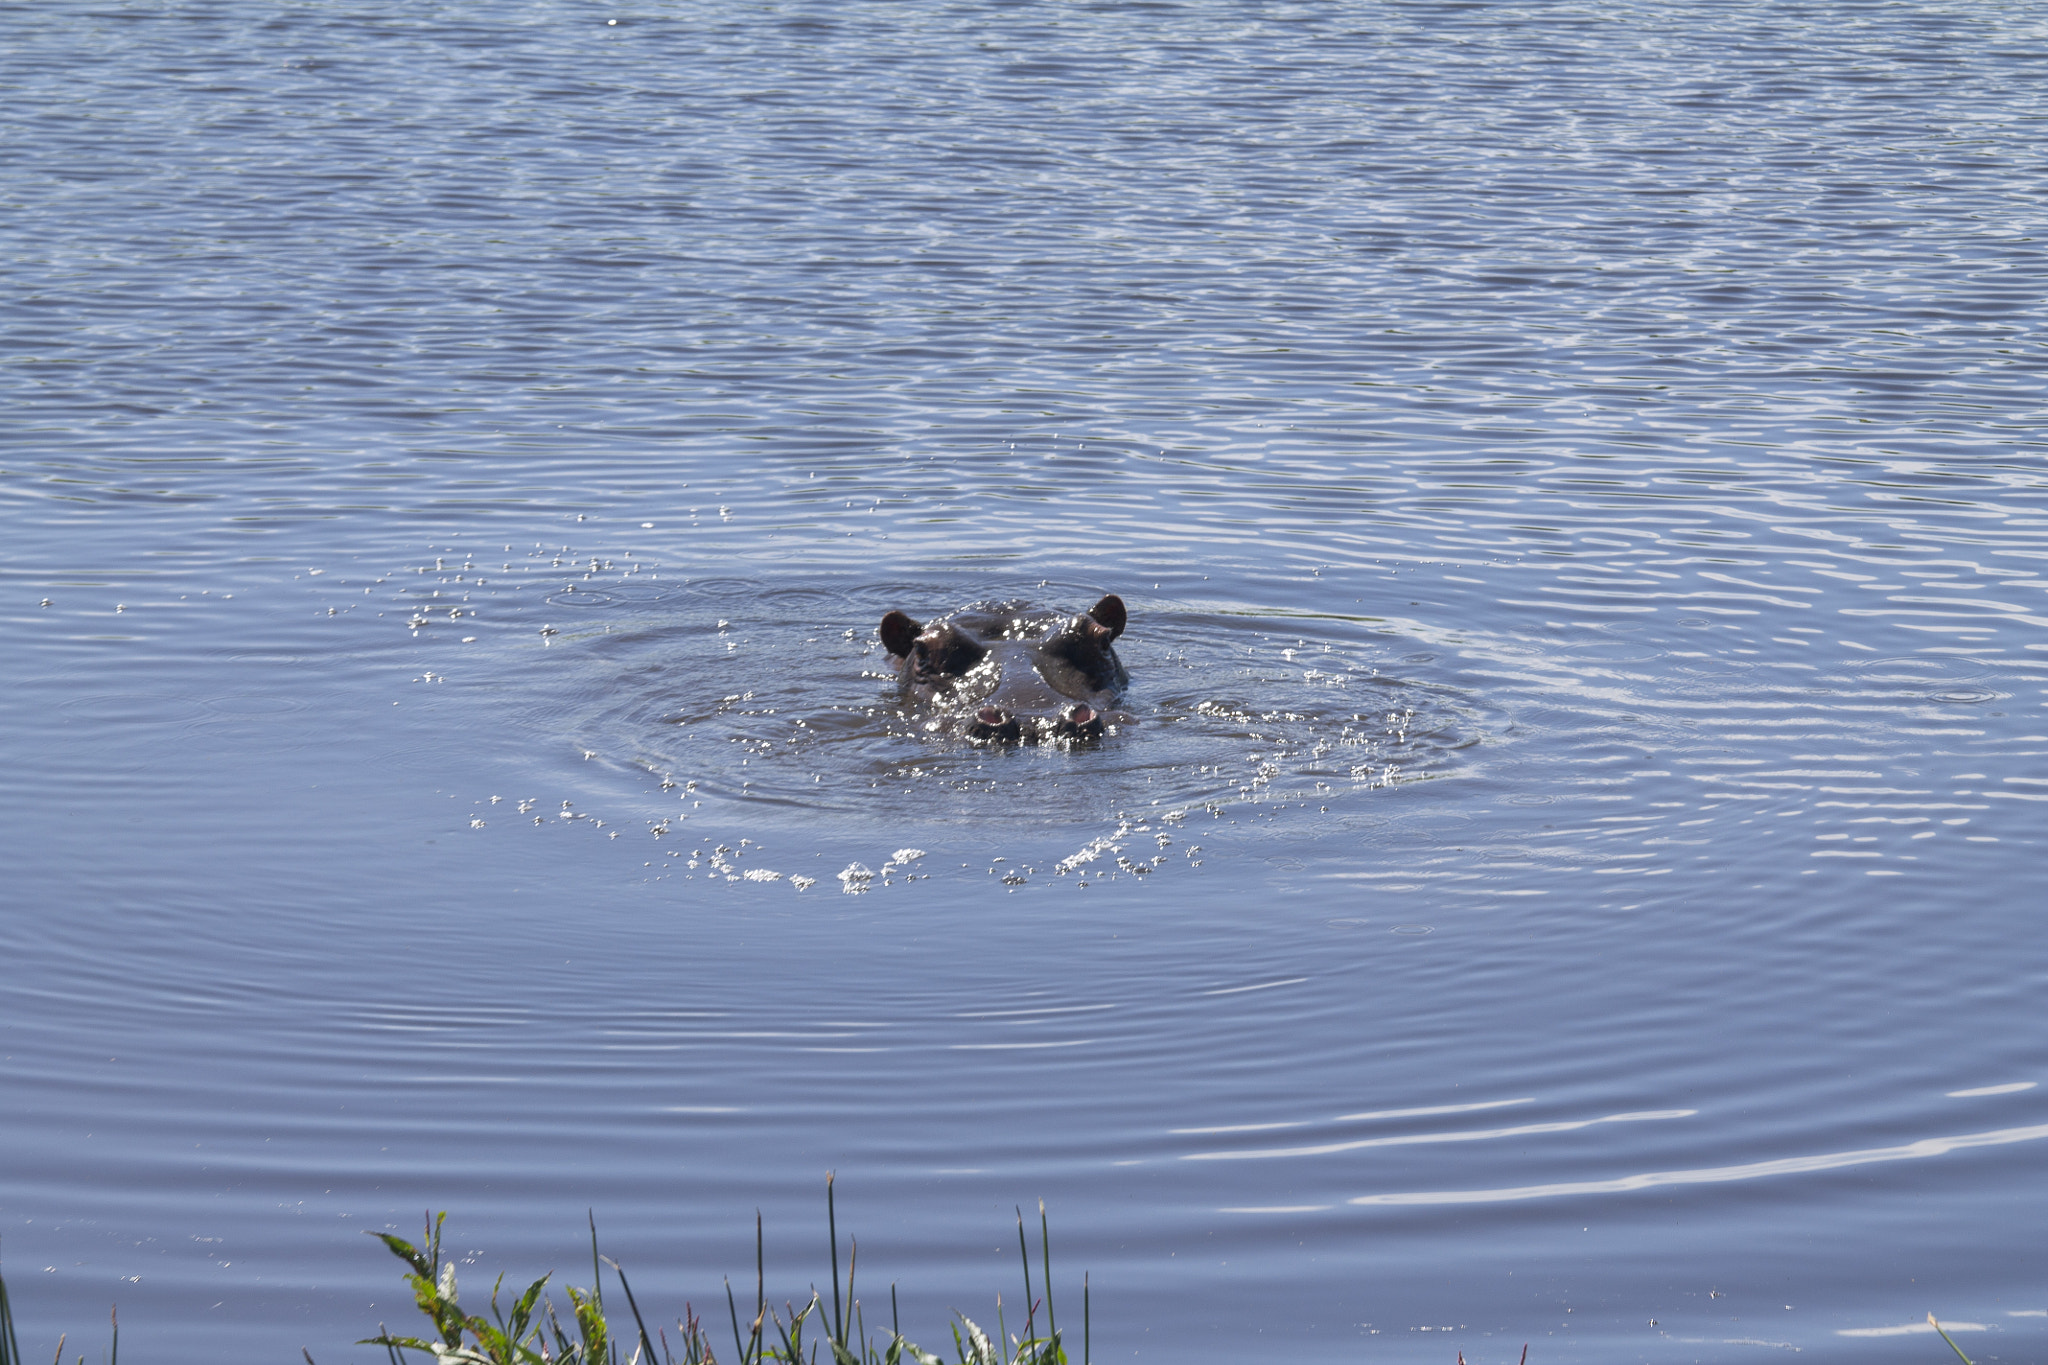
x: 1052, y: 1326
x: 10, y: 1347
x: 1950, y: 1340
x: 646, y: 1341
x: 832, y: 1230
x: 732, y: 1307
x: 852, y: 1268
x: 1024, y: 1253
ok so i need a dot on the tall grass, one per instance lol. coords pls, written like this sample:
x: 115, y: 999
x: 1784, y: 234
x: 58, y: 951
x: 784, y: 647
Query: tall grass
x: 10, y: 1349
x: 10, y: 1345
x: 532, y: 1331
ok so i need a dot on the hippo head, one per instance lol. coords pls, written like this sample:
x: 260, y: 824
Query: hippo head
x: 1007, y: 672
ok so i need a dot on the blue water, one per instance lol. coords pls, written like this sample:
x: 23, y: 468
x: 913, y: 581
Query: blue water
x: 1577, y: 475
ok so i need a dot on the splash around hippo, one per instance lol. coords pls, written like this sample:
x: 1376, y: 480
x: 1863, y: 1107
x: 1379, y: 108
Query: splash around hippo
x: 1011, y: 673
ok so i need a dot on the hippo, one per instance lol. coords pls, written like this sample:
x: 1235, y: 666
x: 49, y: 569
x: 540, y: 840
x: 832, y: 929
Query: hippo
x: 1010, y: 673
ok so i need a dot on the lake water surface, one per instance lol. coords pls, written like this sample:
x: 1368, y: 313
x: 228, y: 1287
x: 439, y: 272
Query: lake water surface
x: 1577, y: 475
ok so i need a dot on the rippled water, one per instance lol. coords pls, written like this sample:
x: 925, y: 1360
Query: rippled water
x: 1576, y: 473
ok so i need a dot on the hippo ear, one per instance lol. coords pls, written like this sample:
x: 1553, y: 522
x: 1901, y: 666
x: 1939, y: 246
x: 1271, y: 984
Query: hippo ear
x: 1110, y: 612
x: 899, y: 632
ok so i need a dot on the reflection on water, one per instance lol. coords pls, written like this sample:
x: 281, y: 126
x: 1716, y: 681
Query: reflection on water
x: 1575, y: 477
x: 1830, y: 1161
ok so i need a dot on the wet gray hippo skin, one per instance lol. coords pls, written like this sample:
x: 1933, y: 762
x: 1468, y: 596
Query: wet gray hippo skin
x: 1006, y: 672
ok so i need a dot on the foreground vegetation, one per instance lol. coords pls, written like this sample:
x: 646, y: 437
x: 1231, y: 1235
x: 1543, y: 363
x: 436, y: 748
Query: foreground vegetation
x: 10, y: 1345
x: 531, y: 1331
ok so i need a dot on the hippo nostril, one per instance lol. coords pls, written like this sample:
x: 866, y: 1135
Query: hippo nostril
x: 1080, y: 722
x: 994, y: 723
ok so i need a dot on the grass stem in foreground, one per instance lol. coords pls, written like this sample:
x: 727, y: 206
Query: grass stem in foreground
x: 1947, y: 1338
x: 531, y: 1332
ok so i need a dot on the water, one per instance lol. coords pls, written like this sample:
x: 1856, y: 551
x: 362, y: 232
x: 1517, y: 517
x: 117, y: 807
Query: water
x: 1576, y: 475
